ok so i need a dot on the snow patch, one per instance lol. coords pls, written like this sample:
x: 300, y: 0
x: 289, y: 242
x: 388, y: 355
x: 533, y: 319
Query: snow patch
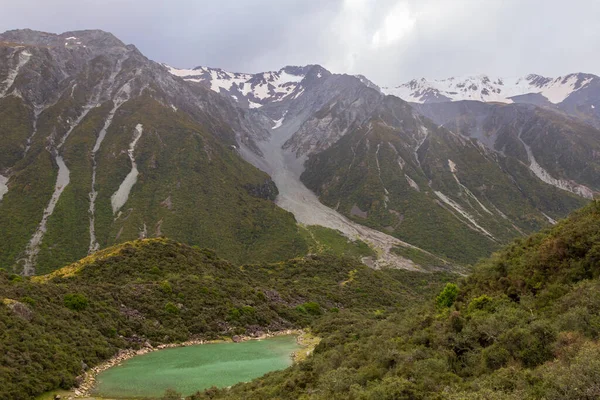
x: 23, y: 58
x: 386, y: 198
x: 3, y: 186
x: 184, y: 72
x: 299, y: 93
x: 462, y: 212
x: 33, y: 247
x: 545, y: 176
x: 122, y: 96
x: 221, y: 79
x: 559, y: 89
x: 119, y: 198
x: 252, y: 104
x: 412, y: 183
x: 453, y: 169
x: 278, y: 122
x: 549, y: 218
x: 284, y: 77
x: 452, y: 166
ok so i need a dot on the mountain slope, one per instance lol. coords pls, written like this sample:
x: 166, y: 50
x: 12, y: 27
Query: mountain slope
x: 524, y: 325
x: 454, y: 198
x: 560, y: 150
x: 290, y: 124
x: 105, y: 145
x: 156, y: 290
x: 101, y: 145
x: 402, y: 174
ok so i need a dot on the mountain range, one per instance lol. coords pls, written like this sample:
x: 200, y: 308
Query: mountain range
x: 575, y: 94
x: 364, y: 216
x: 100, y: 145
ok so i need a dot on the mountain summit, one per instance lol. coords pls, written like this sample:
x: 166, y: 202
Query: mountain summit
x: 489, y: 89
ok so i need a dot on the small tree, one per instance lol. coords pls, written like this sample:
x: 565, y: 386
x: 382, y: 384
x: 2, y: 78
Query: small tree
x: 447, y: 297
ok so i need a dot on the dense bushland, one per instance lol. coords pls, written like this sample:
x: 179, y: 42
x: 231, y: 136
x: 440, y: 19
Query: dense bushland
x: 157, y: 290
x: 524, y: 325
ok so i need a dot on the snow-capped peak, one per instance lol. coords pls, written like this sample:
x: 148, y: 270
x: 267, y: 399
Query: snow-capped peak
x: 488, y: 89
x: 254, y: 90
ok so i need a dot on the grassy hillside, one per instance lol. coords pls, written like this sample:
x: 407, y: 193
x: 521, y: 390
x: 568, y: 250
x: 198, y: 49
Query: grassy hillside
x: 161, y: 291
x: 524, y: 325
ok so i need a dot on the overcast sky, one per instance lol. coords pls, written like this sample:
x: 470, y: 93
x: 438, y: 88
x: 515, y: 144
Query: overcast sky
x: 389, y: 41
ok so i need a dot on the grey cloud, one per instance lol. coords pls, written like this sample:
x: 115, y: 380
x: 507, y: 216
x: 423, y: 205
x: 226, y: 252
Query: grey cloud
x: 389, y: 41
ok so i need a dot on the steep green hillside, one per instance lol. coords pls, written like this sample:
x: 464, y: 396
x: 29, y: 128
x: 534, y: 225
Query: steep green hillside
x: 190, y: 187
x: 162, y: 291
x: 74, y: 121
x: 524, y: 325
x: 437, y: 190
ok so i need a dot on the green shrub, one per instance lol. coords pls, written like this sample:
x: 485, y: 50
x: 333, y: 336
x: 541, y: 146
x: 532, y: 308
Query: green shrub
x: 76, y: 301
x: 495, y: 357
x: 483, y: 302
x: 312, y: 308
x: 171, y: 308
x: 234, y: 314
x: 447, y: 297
x: 166, y: 287
x: 28, y: 300
x: 155, y: 270
x: 248, y: 310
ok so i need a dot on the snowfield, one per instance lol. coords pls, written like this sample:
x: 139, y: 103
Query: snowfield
x: 488, y: 89
x: 256, y: 88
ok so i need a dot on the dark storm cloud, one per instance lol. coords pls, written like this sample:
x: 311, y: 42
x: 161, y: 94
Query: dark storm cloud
x: 390, y: 41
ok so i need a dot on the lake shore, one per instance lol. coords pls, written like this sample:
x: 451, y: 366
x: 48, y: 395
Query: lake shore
x: 303, y: 338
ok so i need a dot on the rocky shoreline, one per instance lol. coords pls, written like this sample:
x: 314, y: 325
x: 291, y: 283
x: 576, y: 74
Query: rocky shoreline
x: 88, y: 378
